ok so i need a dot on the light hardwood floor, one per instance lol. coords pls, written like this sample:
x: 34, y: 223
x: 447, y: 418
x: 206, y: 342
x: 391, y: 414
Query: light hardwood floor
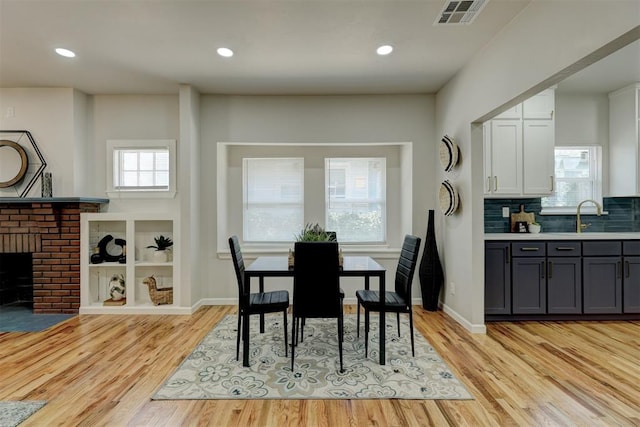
x: 101, y: 370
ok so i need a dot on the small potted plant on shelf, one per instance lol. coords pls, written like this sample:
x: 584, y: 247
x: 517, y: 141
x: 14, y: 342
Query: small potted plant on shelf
x: 162, y: 244
x: 534, y: 228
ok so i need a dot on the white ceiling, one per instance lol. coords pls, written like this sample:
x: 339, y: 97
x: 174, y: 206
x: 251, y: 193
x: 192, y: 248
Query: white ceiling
x: 282, y: 47
x: 613, y: 72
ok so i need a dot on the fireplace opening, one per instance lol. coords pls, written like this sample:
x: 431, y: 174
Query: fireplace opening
x: 16, y: 279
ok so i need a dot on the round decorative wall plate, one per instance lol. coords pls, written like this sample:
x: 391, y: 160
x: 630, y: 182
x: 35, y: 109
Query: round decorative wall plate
x: 449, y: 199
x: 449, y: 153
x: 23, y: 162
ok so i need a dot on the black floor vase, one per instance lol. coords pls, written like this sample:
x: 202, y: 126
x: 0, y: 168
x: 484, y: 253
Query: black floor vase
x: 430, y: 272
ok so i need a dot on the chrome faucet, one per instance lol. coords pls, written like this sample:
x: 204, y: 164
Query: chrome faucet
x: 579, y: 225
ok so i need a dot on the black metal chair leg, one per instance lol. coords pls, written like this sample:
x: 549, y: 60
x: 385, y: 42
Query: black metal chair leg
x: 366, y: 332
x: 340, y: 332
x: 413, y: 350
x: 398, y: 321
x: 238, y: 336
x: 294, y: 340
x: 358, y: 321
x: 286, y: 344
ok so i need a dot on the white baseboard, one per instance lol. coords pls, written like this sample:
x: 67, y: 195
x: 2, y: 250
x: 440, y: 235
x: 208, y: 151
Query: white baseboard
x: 474, y: 329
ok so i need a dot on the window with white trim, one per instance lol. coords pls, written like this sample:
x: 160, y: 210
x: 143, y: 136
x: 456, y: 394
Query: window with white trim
x: 578, y: 173
x: 356, y: 199
x: 273, y: 199
x: 140, y: 167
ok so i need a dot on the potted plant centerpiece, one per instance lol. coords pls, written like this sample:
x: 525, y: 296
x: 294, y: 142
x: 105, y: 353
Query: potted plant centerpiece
x: 313, y: 233
x: 162, y: 244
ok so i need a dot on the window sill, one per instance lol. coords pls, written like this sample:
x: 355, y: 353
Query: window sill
x: 570, y: 211
x: 141, y: 194
x: 251, y: 251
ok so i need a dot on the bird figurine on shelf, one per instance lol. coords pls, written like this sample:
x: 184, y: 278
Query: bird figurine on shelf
x: 158, y: 296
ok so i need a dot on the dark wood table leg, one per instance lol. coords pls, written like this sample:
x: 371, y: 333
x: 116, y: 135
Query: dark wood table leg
x: 366, y: 282
x: 382, y: 321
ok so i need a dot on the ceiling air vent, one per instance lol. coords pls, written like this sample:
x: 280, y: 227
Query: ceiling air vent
x: 460, y: 12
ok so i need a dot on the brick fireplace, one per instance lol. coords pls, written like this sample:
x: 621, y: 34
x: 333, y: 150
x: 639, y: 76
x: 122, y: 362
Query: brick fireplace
x: 49, y: 230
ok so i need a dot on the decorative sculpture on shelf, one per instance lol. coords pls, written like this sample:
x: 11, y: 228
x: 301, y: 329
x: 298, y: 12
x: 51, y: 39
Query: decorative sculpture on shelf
x: 102, y: 254
x: 158, y: 296
x: 117, y: 290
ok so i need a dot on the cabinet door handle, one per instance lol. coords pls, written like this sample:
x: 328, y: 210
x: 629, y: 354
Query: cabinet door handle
x: 550, y: 273
x: 565, y: 248
x: 628, y: 268
x: 619, y: 270
x: 527, y: 249
x: 551, y: 183
x: 543, y: 268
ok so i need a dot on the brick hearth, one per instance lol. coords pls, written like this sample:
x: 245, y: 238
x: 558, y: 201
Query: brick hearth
x: 50, y: 231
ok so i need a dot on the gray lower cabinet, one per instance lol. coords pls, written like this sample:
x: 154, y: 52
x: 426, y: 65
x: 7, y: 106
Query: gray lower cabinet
x: 602, y: 277
x: 591, y: 277
x: 529, y: 280
x: 497, y: 278
x: 631, y: 276
x: 564, y: 277
x: 631, y: 287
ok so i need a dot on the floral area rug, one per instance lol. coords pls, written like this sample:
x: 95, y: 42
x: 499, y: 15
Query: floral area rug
x: 212, y: 372
x: 12, y: 413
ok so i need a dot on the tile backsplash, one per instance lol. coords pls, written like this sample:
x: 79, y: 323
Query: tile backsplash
x: 623, y: 216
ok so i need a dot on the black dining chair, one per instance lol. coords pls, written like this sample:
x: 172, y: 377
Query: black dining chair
x: 255, y: 303
x: 333, y: 237
x: 316, y: 288
x: 395, y: 302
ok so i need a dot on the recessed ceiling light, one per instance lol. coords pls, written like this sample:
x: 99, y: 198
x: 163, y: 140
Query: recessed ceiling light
x: 384, y: 50
x: 225, y: 51
x: 65, y: 52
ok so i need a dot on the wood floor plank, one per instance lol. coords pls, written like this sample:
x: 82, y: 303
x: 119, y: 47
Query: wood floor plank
x: 101, y: 370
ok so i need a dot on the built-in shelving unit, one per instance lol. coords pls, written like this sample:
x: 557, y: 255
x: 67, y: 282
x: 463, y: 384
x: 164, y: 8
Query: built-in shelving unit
x: 139, y: 231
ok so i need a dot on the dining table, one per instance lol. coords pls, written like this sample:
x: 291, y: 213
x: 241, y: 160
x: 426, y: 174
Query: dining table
x: 278, y: 266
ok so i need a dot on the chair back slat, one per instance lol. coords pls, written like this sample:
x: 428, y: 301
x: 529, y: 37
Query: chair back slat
x: 316, y: 286
x: 407, y: 266
x: 238, y: 265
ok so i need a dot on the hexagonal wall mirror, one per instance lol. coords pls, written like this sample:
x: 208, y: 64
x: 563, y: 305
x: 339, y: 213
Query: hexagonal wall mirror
x: 21, y: 163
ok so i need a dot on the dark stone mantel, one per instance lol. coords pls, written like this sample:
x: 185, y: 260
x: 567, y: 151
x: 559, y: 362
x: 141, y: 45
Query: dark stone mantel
x: 53, y: 200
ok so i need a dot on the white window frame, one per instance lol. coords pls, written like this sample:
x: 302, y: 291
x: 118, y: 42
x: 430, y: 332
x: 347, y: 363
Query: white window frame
x: 345, y: 199
x: 595, y: 154
x: 114, y: 145
x: 246, y: 203
x: 399, y: 215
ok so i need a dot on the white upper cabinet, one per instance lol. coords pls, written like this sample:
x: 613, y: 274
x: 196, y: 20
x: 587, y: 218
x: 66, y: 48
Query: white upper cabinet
x: 519, y: 149
x: 512, y: 113
x: 624, y: 141
x: 540, y: 106
x: 538, y: 152
x: 504, y: 175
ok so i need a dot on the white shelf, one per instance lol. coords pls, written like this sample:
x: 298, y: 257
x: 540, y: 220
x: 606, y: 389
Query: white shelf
x: 154, y: 264
x: 139, y: 231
